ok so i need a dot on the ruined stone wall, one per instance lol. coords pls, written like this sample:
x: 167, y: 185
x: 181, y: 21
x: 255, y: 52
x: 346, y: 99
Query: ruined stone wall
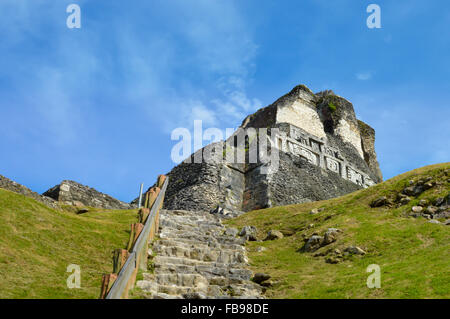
x: 324, y: 152
x: 340, y: 120
x: 319, y: 152
x: 326, y: 116
x: 256, y: 194
x: 73, y: 193
x: 203, y: 186
x: 299, y: 181
x: 300, y: 107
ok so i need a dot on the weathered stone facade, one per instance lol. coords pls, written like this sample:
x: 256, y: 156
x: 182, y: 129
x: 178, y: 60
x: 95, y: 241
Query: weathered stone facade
x: 73, y: 193
x: 324, y: 152
x: 317, y: 151
x: 12, y: 186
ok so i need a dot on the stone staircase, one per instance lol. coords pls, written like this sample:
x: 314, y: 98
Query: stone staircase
x: 197, y: 258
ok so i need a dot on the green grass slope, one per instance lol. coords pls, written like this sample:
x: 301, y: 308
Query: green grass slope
x: 412, y: 253
x: 38, y: 243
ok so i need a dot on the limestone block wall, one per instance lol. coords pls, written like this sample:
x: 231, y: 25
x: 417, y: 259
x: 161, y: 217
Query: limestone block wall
x: 231, y: 186
x: 349, y: 133
x: 299, y: 181
x: 301, y: 109
x: 73, y: 193
x: 256, y: 194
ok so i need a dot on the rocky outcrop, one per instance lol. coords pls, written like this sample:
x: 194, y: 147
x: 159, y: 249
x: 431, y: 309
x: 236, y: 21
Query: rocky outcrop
x: 12, y: 186
x: 73, y: 193
x: 196, y: 257
x: 430, y: 207
x: 324, y: 152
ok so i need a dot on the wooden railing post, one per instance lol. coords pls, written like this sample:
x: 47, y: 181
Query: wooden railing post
x: 143, y: 214
x: 107, y: 282
x: 153, y: 195
x: 120, y: 256
x: 160, y: 181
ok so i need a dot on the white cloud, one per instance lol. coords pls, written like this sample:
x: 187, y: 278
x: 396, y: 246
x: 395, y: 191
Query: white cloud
x: 200, y: 112
x: 211, y: 37
x: 220, y: 48
x: 58, y: 116
x: 363, y: 76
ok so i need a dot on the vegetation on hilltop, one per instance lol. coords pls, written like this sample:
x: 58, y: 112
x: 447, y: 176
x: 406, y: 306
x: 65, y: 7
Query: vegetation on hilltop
x: 38, y: 243
x: 413, y: 253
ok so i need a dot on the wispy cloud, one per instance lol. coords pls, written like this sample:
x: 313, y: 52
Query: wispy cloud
x: 363, y: 76
x: 216, y: 40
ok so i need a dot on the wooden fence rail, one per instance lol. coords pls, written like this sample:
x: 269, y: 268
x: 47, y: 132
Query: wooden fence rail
x: 127, y: 262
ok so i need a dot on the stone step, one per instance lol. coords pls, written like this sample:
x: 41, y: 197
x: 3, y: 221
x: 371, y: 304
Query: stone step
x: 192, y: 219
x: 194, y: 279
x: 198, y: 248
x: 175, y: 233
x: 155, y: 288
x: 181, y: 235
x: 189, y: 220
x: 190, y: 243
x: 196, y: 257
x: 214, y: 255
x: 207, y: 256
x: 162, y: 260
x: 186, y: 213
x: 207, y: 271
x: 190, y: 225
x: 185, y: 280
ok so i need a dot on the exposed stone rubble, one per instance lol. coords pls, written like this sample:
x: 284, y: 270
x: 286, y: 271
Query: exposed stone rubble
x: 274, y: 234
x: 12, y: 186
x: 381, y: 201
x: 226, y: 213
x: 196, y: 257
x: 324, y: 152
x: 321, y: 246
x: 262, y: 279
x: 315, y: 242
x: 432, y: 209
x: 248, y: 233
x: 75, y: 194
x: 440, y: 209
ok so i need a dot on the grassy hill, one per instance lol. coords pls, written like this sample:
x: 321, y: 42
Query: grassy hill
x: 413, y: 254
x: 38, y: 243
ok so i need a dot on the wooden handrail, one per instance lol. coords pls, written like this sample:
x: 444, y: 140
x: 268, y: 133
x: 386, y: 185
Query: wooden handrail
x: 139, y: 248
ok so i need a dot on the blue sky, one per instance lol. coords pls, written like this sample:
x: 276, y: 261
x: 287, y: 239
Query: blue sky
x: 98, y: 104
